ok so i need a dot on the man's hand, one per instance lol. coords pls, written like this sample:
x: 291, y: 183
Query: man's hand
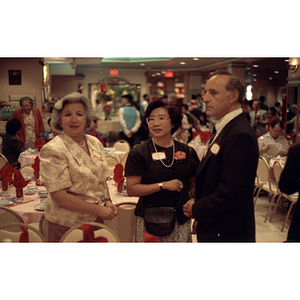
x: 187, y: 208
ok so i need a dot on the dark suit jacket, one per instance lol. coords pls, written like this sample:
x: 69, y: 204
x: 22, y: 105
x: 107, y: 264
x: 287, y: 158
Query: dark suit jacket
x: 289, y: 183
x: 224, y: 185
x: 11, y: 149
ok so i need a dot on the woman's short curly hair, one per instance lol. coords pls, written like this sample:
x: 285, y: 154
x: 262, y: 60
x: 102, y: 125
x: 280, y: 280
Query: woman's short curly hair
x: 72, y: 98
x: 174, y: 112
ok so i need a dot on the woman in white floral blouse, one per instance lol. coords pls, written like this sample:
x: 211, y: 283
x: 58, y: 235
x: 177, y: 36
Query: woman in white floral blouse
x: 74, y: 170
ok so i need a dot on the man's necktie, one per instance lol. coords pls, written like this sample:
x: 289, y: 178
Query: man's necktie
x: 214, y: 132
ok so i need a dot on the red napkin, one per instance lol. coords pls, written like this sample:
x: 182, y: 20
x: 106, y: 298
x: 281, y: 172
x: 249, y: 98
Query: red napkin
x: 118, y: 173
x: 149, y: 238
x: 24, y: 237
x: 36, y: 164
x: 205, y: 136
x: 39, y: 143
x: 6, y: 172
x: 88, y: 235
x: 19, y: 181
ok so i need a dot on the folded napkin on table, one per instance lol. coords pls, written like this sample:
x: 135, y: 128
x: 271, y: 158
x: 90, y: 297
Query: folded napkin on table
x: 118, y: 173
x: 36, y: 164
x: 39, y: 143
x: 19, y: 181
x: 6, y: 172
x: 88, y: 235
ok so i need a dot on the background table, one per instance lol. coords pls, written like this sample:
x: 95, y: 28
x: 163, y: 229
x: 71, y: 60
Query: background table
x: 200, y: 149
x: 31, y: 215
x: 26, y: 159
x: 27, y: 210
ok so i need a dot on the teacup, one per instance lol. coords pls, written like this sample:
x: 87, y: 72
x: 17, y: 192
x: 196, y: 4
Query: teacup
x: 10, y: 198
x: 43, y: 193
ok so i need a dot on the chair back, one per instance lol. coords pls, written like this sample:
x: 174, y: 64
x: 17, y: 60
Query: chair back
x: 263, y: 171
x: 3, y: 160
x: 13, y: 232
x: 123, y: 223
x: 27, y: 169
x: 75, y: 233
x: 111, y: 161
x: 124, y: 159
x: 122, y: 145
x: 277, y: 169
x: 8, y: 216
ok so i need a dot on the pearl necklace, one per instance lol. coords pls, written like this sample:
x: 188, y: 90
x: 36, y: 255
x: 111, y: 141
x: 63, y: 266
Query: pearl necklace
x: 84, y: 143
x: 160, y: 159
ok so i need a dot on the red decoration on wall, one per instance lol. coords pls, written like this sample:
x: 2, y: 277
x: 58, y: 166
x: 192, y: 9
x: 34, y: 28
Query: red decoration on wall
x: 114, y: 72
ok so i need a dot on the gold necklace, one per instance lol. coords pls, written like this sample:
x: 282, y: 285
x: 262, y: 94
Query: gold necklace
x: 166, y: 155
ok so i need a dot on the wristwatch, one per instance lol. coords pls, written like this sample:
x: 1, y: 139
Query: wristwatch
x: 160, y: 186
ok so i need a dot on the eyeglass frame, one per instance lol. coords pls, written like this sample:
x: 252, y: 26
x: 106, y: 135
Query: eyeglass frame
x: 164, y: 119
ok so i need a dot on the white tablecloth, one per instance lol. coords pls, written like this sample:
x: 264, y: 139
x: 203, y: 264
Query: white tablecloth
x: 31, y: 215
x: 26, y: 159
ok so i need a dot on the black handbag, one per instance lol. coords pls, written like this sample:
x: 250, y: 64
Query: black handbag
x: 160, y: 221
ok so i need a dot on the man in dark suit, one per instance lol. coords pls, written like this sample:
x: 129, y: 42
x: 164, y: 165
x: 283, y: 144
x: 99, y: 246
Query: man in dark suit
x: 223, y: 204
x: 289, y: 184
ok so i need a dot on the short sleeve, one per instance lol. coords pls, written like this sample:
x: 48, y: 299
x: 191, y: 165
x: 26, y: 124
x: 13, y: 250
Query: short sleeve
x: 54, y: 168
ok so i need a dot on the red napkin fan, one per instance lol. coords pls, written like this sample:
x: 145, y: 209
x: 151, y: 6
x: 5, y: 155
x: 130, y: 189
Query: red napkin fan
x: 205, y: 136
x: 89, y: 236
x: 118, y: 177
x: 39, y: 143
x: 19, y: 181
x: 36, y: 167
x: 149, y: 238
x: 6, y: 171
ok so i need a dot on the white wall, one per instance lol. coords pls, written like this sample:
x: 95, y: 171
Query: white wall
x: 32, y: 76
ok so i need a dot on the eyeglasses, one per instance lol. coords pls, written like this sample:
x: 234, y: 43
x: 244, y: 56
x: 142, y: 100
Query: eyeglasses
x: 160, y: 120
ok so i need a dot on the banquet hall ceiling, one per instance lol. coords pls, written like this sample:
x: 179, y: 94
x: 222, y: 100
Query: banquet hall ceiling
x: 265, y: 69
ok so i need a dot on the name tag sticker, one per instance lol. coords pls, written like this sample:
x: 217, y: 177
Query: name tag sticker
x: 215, y: 148
x: 158, y: 155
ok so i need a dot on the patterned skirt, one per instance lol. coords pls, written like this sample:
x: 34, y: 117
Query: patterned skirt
x: 180, y: 234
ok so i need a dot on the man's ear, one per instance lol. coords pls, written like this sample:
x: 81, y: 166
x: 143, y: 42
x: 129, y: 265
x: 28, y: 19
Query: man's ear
x: 234, y: 96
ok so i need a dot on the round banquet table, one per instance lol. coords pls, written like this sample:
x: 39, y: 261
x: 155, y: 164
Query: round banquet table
x: 30, y: 215
x: 27, y: 159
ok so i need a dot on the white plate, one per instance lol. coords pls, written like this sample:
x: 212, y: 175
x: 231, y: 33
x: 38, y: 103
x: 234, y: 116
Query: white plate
x: 29, y: 192
x: 40, y: 207
x: 6, y: 202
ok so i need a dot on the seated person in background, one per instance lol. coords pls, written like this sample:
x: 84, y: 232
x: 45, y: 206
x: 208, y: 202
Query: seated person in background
x: 11, y: 145
x: 273, y: 137
x: 97, y: 134
x: 49, y: 135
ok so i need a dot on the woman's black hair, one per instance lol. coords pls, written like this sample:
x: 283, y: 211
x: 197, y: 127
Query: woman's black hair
x: 173, y: 111
x: 13, y: 126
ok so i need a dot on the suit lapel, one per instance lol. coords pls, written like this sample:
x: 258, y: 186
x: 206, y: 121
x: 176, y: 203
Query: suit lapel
x: 218, y: 141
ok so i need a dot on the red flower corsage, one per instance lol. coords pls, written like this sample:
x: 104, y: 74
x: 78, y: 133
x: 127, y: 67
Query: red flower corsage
x: 179, y: 155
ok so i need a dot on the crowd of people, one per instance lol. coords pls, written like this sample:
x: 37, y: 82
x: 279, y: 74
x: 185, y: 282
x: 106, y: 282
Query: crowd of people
x: 212, y: 198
